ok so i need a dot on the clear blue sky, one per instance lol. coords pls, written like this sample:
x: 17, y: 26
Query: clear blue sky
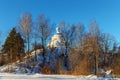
x: 106, y: 13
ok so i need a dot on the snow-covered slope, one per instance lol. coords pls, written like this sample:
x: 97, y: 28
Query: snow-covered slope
x: 31, y: 65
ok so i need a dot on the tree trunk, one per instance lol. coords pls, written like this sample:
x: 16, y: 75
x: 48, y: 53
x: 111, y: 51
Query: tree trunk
x: 35, y: 52
x: 43, y: 46
x: 96, y: 65
x: 28, y: 38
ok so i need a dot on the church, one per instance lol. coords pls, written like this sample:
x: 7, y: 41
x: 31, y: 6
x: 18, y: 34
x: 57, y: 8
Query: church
x: 57, y: 40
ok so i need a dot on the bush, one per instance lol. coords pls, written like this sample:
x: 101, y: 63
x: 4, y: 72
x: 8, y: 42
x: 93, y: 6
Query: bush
x: 116, y: 66
x: 83, y: 68
x: 46, y: 70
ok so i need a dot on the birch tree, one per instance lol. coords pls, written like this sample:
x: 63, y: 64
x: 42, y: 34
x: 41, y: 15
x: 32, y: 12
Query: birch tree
x: 25, y: 25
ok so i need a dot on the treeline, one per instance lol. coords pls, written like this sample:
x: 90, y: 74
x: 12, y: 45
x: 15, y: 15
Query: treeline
x: 86, y: 51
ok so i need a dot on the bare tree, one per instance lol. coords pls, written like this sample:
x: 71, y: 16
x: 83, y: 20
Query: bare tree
x: 68, y: 32
x: 44, y: 31
x: 91, y: 44
x: 35, y: 36
x: 80, y: 35
x: 107, y: 43
x: 95, y: 35
x: 25, y: 25
x: 2, y: 60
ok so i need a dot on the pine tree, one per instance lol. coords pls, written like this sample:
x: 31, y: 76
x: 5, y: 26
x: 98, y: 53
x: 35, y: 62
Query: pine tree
x: 13, y: 46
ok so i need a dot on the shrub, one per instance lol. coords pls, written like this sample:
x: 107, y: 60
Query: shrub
x: 83, y: 68
x: 46, y: 70
x: 116, y: 66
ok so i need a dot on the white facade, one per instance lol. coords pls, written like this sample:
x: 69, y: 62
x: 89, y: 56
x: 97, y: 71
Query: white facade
x: 57, y: 40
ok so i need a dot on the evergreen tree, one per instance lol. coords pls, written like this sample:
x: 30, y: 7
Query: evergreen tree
x: 13, y: 46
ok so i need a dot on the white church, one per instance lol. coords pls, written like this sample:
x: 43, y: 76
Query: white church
x: 57, y: 40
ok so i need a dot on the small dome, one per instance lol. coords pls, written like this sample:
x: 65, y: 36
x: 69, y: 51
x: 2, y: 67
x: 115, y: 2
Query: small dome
x: 58, y: 30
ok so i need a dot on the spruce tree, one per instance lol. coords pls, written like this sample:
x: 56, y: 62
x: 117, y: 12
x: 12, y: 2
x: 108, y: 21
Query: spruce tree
x: 13, y: 46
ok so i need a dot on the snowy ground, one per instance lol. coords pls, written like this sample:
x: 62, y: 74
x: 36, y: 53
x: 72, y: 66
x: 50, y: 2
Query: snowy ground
x: 10, y: 76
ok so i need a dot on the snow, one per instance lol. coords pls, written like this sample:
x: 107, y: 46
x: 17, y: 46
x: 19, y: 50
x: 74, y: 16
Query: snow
x: 108, y: 72
x: 10, y: 76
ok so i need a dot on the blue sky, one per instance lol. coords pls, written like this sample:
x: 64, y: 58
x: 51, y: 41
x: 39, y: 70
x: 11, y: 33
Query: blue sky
x: 106, y: 13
